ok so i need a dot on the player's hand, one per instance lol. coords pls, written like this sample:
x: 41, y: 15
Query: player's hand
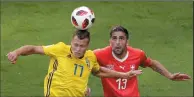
x: 12, y: 57
x: 88, y: 92
x: 179, y: 77
x: 133, y: 73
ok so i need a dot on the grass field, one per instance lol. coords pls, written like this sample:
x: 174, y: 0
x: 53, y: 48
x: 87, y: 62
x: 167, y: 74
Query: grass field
x: 162, y: 29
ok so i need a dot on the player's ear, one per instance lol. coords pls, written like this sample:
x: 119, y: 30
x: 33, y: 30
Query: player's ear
x: 128, y: 42
x: 71, y: 42
x: 110, y: 42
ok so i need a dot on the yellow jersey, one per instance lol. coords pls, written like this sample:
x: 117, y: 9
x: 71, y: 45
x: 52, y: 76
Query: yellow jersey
x: 67, y: 76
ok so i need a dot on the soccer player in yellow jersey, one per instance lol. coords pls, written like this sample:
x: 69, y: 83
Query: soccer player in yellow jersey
x: 70, y: 66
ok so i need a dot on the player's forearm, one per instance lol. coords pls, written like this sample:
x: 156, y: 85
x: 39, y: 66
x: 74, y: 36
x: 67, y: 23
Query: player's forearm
x: 104, y: 72
x: 25, y: 50
x: 111, y: 75
x: 158, y: 67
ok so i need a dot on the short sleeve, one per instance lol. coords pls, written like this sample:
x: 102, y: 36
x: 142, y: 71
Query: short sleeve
x: 100, y: 55
x: 54, y: 50
x: 97, y: 52
x: 96, y: 67
x: 145, y: 61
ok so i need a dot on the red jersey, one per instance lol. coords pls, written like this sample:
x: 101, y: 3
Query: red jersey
x: 121, y: 87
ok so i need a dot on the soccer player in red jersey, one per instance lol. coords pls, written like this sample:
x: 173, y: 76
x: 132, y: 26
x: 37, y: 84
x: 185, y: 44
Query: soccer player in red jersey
x: 119, y: 56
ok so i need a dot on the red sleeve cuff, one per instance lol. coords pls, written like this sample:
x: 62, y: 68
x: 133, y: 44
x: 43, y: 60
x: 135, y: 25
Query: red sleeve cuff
x: 147, y: 63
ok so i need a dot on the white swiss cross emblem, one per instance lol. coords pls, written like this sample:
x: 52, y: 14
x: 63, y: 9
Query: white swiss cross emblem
x: 133, y: 67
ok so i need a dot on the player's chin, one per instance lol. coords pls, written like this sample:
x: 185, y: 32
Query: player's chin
x: 79, y: 55
x: 118, y: 51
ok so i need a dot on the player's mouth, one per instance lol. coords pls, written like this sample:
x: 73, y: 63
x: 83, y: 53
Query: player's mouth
x: 117, y: 48
x: 77, y: 53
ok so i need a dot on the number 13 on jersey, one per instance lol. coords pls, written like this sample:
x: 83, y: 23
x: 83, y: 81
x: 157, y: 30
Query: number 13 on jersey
x: 122, y: 83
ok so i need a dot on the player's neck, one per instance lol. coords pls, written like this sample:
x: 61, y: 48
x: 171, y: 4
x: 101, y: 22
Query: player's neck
x: 122, y: 57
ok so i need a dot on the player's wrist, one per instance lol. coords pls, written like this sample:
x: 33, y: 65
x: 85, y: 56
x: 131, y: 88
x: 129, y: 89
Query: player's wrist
x: 17, y: 52
x: 170, y: 76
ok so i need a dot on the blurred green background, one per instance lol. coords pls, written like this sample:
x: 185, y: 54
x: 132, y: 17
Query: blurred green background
x: 162, y: 29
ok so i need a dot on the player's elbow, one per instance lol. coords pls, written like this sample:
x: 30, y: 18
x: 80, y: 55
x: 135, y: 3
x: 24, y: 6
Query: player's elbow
x: 38, y: 49
x: 154, y: 64
x: 97, y: 74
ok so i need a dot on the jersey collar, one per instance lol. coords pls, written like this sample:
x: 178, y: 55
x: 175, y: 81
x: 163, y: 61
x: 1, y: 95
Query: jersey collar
x: 120, y: 60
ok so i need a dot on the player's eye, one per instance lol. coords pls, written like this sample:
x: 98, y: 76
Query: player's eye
x: 121, y: 38
x: 81, y: 46
x: 114, y: 37
x: 76, y: 45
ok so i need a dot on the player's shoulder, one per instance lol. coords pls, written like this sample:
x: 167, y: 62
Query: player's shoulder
x: 103, y: 54
x: 62, y: 47
x: 134, y: 50
x: 102, y: 50
x: 90, y: 54
x: 62, y: 44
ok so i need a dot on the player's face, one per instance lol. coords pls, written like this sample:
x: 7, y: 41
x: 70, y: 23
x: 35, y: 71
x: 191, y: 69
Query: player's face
x: 79, y: 46
x: 118, y: 42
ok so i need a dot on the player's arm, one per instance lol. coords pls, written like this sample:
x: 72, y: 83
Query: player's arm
x: 29, y: 49
x: 23, y: 51
x: 158, y: 67
x: 104, y: 72
x: 49, y: 50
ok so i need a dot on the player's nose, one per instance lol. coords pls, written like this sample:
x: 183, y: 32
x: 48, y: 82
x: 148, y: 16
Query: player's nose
x: 117, y: 41
x: 77, y: 49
